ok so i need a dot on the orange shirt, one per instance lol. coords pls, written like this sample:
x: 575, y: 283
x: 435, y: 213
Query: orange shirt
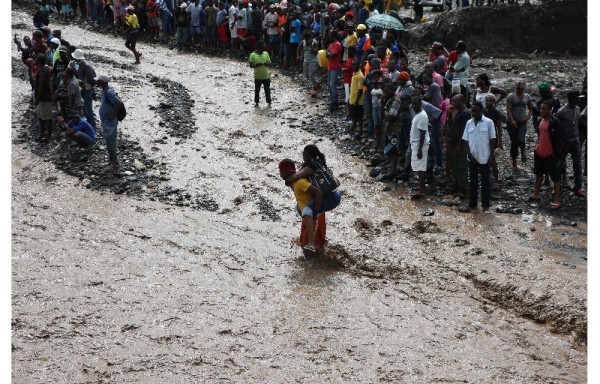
x: 281, y: 20
x: 152, y: 9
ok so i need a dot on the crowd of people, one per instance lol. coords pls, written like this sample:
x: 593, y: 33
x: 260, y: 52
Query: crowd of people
x: 63, y: 85
x: 422, y: 120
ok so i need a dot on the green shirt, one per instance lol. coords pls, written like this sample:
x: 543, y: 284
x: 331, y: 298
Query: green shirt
x: 261, y: 72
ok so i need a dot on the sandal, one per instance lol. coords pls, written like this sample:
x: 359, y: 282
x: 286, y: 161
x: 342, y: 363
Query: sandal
x: 532, y: 199
x: 554, y: 206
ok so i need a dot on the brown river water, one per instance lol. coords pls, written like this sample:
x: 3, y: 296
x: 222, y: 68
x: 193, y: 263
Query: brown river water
x: 113, y: 288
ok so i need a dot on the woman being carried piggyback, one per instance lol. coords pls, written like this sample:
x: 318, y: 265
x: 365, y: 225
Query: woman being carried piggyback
x: 311, y: 201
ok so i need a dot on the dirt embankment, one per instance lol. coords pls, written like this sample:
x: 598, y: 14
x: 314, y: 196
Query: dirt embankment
x: 559, y: 27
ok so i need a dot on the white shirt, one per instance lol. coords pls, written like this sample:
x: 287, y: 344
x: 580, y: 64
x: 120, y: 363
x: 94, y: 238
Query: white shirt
x: 272, y: 17
x: 194, y: 11
x: 464, y: 61
x: 233, y: 11
x: 479, y: 136
x: 419, y: 123
x: 241, y: 23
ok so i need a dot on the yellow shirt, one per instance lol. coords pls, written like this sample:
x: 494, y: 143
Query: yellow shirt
x: 352, y: 40
x: 303, y: 197
x: 132, y: 20
x: 355, y: 86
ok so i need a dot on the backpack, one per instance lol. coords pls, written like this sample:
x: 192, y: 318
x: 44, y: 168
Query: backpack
x: 323, y: 178
x: 120, y: 114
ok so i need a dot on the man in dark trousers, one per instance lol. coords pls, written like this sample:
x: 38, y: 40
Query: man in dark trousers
x: 459, y: 150
x: 568, y: 117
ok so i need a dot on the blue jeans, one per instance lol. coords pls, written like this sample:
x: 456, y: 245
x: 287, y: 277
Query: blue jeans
x: 166, y: 23
x: 84, y: 138
x: 109, y: 128
x: 330, y: 201
x: 474, y: 170
x: 88, y: 97
x: 573, y: 148
x: 96, y: 12
x: 332, y: 77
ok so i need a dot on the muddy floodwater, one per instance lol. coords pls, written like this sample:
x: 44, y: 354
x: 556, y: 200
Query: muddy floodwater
x: 187, y: 270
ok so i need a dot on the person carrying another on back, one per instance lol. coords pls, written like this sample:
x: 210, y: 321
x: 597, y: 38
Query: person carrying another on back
x: 310, y: 199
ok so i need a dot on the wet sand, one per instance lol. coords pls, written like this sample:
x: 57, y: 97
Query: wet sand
x: 130, y: 287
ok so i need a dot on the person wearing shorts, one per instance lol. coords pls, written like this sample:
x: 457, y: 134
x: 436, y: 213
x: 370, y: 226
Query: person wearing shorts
x: 43, y: 98
x: 419, y: 143
x: 131, y: 21
x: 222, y: 25
x: 546, y: 155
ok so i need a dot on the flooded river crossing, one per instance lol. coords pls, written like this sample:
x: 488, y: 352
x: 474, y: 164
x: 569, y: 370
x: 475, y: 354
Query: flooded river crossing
x: 206, y: 283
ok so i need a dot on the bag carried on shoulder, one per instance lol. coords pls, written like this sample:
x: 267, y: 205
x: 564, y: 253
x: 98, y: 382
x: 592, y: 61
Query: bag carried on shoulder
x: 323, y: 178
x: 121, y: 113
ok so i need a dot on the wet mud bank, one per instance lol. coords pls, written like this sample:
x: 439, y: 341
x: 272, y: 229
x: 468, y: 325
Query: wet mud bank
x: 122, y: 287
x: 552, y: 26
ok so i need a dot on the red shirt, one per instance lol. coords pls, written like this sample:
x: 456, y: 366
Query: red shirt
x: 152, y: 9
x: 544, y: 146
x: 334, y: 62
x: 348, y: 71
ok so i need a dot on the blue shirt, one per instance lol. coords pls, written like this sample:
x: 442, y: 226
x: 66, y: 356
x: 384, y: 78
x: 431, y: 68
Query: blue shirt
x: 359, y: 47
x: 83, y: 126
x: 296, y: 32
x: 107, y: 105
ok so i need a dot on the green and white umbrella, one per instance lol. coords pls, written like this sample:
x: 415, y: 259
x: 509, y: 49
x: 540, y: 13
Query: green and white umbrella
x: 384, y: 21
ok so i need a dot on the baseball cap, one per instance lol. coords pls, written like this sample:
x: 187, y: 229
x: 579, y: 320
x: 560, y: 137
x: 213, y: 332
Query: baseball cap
x: 361, y: 27
x: 104, y: 78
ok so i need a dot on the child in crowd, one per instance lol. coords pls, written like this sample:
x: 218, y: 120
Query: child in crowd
x: 347, y: 73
